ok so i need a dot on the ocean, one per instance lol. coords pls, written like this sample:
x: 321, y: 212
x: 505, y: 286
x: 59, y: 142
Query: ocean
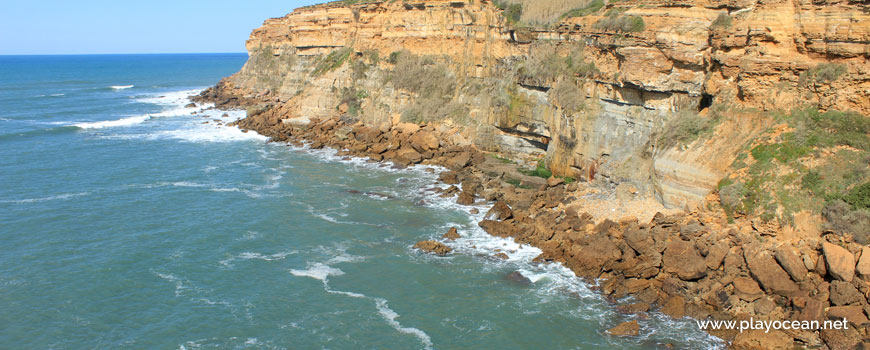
x: 129, y: 220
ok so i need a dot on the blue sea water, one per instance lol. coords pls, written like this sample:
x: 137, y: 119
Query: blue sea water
x: 130, y: 221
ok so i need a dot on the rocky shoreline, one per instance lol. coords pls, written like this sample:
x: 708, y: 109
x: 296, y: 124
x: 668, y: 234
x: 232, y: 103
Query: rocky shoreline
x: 683, y: 265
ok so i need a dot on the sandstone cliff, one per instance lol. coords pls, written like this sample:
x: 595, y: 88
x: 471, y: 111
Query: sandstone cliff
x: 662, y: 95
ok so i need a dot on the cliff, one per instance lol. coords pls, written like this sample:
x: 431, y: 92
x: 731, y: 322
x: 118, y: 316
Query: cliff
x: 601, y: 99
x: 750, y: 114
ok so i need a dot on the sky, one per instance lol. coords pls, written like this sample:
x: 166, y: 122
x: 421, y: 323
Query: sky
x: 122, y: 26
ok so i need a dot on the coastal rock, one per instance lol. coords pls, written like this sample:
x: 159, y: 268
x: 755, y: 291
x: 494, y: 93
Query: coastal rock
x: 459, y: 161
x: 451, y: 234
x: 517, y: 278
x: 863, y: 268
x: 465, y: 198
x: 423, y: 141
x: 844, y: 293
x: 791, y: 263
x: 497, y: 228
x: 746, y: 288
x: 769, y: 274
x: 449, y: 178
x: 591, y: 254
x: 681, y: 259
x: 501, y: 256
x: 628, y: 328
x: 854, y: 314
x: 555, y: 181
x: 840, y: 262
x: 406, y: 156
x: 762, y: 340
x: 499, y: 211
x: 433, y: 247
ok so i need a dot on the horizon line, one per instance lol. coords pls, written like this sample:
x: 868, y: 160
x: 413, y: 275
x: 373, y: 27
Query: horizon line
x: 119, y: 54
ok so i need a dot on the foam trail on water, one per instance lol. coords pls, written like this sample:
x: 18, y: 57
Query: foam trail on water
x: 121, y: 87
x: 114, y: 123
x: 45, y: 199
x: 321, y: 271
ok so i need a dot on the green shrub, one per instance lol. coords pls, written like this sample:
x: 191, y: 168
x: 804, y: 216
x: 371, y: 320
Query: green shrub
x: 547, y: 63
x: 616, y: 22
x: 722, y: 21
x: 540, y: 171
x: 684, y: 128
x: 590, y: 8
x: 859, y: 197
x: 842, y: 218
x: 824, y: 73
x: 353, y: 98
x: 332, y: 61
x: 569, y: 96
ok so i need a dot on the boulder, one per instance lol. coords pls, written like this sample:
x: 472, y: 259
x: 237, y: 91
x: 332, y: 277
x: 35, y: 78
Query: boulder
x: 554, y: 181
x: 433, y: 247
x: 423, y: 141
x: 844, y: 293
x: 840, y: 262
x: 449, y: 178
x: 863, y: 268
x: 517, y: 278
x: 841, y: 339
x: 810, y: 309
x: 459, y: 161
x: 451, y: 234
x: 675, y: 307
x: 498, y: 228
x: 681, y: 259
x: 501, y: 256
x: 628, y: 328
x: 407, y: 156
x: 791, y: 263
x: 854, y: 314
x: 746, y: 288
x: 769, y: 274
x: 465, y: 198
x: 499, y: 211
x: 760, y: 339
x: 407, y: 128
x: 591, y: 254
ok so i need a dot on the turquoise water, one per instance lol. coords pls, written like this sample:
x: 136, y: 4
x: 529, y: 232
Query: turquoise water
x: 128, y: 223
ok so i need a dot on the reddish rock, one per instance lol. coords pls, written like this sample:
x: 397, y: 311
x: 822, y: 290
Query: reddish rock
x: 498, y: 228
x: 591, y: 254
x: 423, y: 141
x: 499, y: 211
x: 459, y: 161
x: 746, y: 288
x: 433, y: 247
x: 791, y: 263
x: 451, y: 234
x: 501, y: 256
x: 554, y: 181
x: 844, y: 293
x: 854, y: 314
x: 840, y: 262
x: 681, y: 259
x: 407, y: 156
x: 465, y: 198
x: 675, y: 307
x: 629, y: 328
x: 769, y: 274
x: 449, y: 178
x: 762, y: 340
x: 863, y: 268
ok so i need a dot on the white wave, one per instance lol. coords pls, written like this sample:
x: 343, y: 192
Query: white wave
x: 121, y: 87
x: 180, y: 287
x: 113, y: 123
x: 322, y: 271
x: 5, y: 120
x: 210, y: 133
x: 258, y: 256
x: 390, y: 316
x: 318, y: 271
x: 45, y: 199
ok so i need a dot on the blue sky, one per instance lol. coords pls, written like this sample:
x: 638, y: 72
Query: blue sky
x: 122, y: 26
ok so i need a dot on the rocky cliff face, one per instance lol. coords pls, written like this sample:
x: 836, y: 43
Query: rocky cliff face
x: 659, y: 94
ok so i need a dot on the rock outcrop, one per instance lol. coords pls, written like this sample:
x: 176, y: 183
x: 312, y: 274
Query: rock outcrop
x: 600, y: 117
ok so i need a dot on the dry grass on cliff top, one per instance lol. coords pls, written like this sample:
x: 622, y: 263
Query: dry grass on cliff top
x: 543, y: 13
